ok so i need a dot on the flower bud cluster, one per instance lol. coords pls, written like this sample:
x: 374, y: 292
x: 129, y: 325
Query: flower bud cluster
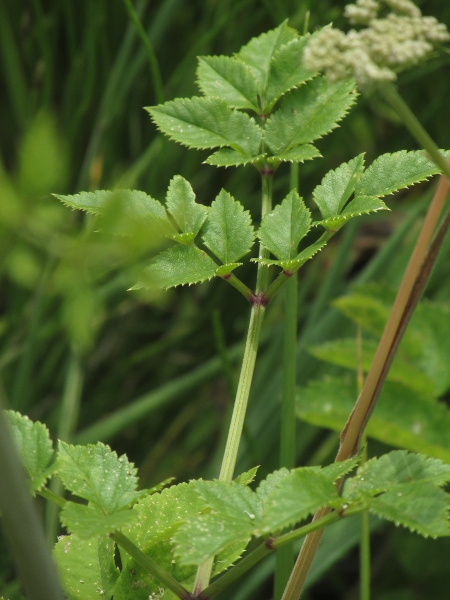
x: 384, y: 47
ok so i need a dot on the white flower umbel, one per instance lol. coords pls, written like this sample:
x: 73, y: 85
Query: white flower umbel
x: 383, y: 48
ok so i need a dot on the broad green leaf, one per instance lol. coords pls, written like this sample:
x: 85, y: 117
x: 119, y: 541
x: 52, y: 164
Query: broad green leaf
x: 336, y: 470
x: 86, y: 567
x: 227, y: 157
x: 98, y: 475
x: 295, y: 497
x: 308, y: 113
x: 337, y: 186
x: 207, y: 123
x: 402, y: 418
x: 395, y: 470
x: 419, y: 506
x: 180, y: 202
x: 89, y: 521
x: 362, y: 205
x: 295, y: 154
x: 34, y: 446
x: 286, y: 71
x: 230, y: 79
x: 291, y: 266
x: 283, y: 228
x: 259, y: 52
x: 230, y: 499
x: 124, y: 209
x: 267, y: 486
x: 247, y: 477
x: 178, y: 266
x: 392, y: 172
x: 229, y: 231
x: 344, y: 353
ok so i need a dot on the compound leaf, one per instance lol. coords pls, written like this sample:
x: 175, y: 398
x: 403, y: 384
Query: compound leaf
x: 286, y: 71
x: 97, y: 474
x: 180, y: 202
x: 86, y: 567
x: 308, y: 113
x: 88, y: 521
x: 179, y: 265
x: 258, y: 54
x: 34, y: 446
x: 392, y: 172
x: 283, y: 228
x: 337, y: 186
x: 230, y: 79
x: 229, y: 232
x: 125, y: 209
x: 207, y: 123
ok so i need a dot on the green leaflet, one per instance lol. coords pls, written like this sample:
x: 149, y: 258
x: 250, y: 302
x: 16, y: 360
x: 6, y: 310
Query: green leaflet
x: 230, y: 79
x: 86, y: 567
x: 179, y: 265
x: 308, y: 113
x: 98, y: 475
x: 410, y: 491
x: 392, y: 172
x: 362, y: 205
x: 295, y: 154
x: 207, y: 123
x: 260, y: 51
x: 247, y: 477
x: 337, y: 186
x: 402, y: 418
x: 89, y: 521
x: 343, y: 352
x: 283, y: 228
x: 286, y: 71
x: 226, y: 157
x: 34, y: 446
x: 180, y: 202
x: 124, y: 210
x: 291, y: 266
x: 229, y: 232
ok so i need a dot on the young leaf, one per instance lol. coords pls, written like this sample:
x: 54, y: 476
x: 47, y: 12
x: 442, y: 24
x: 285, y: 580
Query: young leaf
x: 420, y: 507
x: 86, y: 567
x: 392, y: 172
x: 127, y: 208
x: 34, y: 446
x: 258, y: 53
x: 228, y: 232
x: 291, y: 266
x: 89, y: 521
x: 180, y: 202
x: 296, y: 496
x: 296, y: 154
x: 286, y: 71
x: 308, y: 113
x: 178, y: 266
x: 230, y: 79
x: 402, y: 418
x: 247, y: 477
x: 283, y: 228
x: 362, y: 205
x: 98, y: 475
x: 207, y: 123
x: 337, y: 186
x: 227, y: 157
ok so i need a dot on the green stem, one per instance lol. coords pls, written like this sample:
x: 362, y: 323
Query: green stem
x: 23, y: 530
x: 154, y: 67
x: 240, y: 286
x: 151, y: 566
x: 245, y: 379
x: 364, y: 557
x: 409, y: 119
x: 284, y: 559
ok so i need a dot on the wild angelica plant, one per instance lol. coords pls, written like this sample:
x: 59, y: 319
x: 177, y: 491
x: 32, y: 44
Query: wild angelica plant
x: 173, y: 540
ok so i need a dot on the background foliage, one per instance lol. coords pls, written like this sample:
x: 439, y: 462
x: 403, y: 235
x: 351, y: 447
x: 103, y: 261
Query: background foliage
x: 75, y: 347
